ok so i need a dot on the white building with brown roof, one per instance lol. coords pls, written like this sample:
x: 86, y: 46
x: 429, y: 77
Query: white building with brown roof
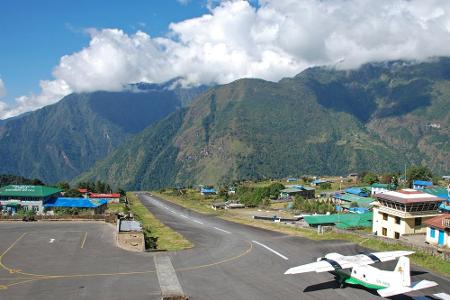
x: 402, y: 212
x: 438, y: 231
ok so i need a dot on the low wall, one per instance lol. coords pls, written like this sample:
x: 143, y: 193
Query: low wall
x: 106, y: 218
x: 429, y: 249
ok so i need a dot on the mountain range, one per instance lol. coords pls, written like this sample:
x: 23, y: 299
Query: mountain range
x: 60, y: 141
x: 379, y: 117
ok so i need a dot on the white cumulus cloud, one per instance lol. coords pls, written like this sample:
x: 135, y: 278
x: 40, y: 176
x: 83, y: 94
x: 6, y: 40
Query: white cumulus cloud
x: 278, y: 38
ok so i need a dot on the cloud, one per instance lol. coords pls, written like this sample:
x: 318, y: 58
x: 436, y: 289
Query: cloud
x: 183, y: 2
x: 2, y: 89
x: 271, y: 40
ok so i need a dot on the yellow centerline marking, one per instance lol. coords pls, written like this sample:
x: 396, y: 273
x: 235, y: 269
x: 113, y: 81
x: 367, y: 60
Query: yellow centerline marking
x: 10, y: 270
x: 84, y: 240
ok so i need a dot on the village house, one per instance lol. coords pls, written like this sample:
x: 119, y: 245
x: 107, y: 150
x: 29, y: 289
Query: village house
x: 421, y: 184
x: 397, y: 213
x: 377, y: 188
x: 298, y: 190
x: 438, y: 230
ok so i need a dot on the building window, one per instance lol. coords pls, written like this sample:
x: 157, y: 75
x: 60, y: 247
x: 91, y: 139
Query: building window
x: 432, y: 233
x: 397, y: 235
x: 384, y: 231
x: 397, y: 220
x: 385, y: 217
x: 417, y: 221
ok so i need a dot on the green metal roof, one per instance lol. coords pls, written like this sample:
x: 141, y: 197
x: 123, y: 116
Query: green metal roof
x: 344, y: 221
x: 362, y: 201
x: 380, y: 185
x: 28, y: 191
x: 436, y: 190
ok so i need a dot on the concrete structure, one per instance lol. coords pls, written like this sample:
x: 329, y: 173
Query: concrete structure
x: 377, y: 188
x: 397, y: 213
x: 26, y: 197
x: 130, y: 235
x: 438, y: 230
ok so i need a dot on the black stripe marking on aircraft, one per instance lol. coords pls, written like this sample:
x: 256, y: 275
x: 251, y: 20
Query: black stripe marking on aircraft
x: 333, y: 263
x: 373, y: 257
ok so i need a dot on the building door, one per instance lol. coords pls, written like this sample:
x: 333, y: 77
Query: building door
x: 441, y: 238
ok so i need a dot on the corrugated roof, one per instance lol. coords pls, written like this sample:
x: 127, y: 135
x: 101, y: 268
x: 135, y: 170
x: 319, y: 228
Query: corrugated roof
x: 437, y: 221
x: 422, y: 182
x: 95, y: 195
x: 357, y: 191
x: 436, y: 190
x: 362, y: 201
x: 76, y: 202
x: 342, y: 220
x: 28, y: 191
x: 408, y: 196
x: 380, y: 185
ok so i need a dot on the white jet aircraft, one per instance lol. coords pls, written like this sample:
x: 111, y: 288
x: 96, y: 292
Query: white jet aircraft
x: 387, y: 283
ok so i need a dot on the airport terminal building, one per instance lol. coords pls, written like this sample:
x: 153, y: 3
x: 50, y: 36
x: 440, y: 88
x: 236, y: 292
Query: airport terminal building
x: 28, y: 197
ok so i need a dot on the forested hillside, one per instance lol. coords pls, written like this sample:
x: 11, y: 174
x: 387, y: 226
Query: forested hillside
x: 323, y: 121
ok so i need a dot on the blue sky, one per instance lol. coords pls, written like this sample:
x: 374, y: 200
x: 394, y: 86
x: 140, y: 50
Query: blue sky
x: 35, y: 34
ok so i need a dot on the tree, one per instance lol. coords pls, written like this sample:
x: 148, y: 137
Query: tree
x: 72, y: 193
x: 418, y: 173
x: 274, y: 189
x: 63, y: 185
x: 370, y: 178
x: 354, y: 204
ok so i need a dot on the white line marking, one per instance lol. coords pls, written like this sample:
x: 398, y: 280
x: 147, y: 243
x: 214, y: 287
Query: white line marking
x: 271, y: 250
x: 196, y: 221
x: 183, y: 216
x: 220, y: 229
x: 51, y: 241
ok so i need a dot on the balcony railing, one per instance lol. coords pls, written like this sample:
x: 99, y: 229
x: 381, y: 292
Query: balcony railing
x: 446, y: 222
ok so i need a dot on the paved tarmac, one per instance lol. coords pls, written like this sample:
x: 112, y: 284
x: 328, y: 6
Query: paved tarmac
x: 56, y: 260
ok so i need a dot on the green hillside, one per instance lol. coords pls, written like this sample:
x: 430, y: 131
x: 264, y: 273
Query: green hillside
x: 322, y: 121
x: 60, y: 141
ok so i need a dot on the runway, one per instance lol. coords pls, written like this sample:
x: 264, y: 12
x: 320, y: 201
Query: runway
x: 79, y: 260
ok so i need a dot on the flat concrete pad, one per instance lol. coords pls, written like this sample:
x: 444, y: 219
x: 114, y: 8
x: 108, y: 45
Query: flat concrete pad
x: 168, y: 280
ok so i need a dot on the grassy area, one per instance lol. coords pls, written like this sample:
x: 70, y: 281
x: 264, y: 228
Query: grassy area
x: 114, y: 208
x: 192, y: 200
x: 436, y: 264
x: 168, y: 239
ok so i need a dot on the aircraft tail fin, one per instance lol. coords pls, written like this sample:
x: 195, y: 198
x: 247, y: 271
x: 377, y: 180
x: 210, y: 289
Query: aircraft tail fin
x: 403, y: 268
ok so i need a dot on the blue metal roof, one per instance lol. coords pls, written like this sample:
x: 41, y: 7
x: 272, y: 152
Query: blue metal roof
x: 208, y: 191
x: 422, y: 182
x: 357, y: 191
x: 76, y: 202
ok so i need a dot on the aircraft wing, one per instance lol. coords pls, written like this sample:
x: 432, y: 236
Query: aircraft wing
x: 396, y: 290
x: 336, y: 261
x: 320, y: 266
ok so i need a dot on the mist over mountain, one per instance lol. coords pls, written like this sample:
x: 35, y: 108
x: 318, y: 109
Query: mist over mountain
x: 62, y: 140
